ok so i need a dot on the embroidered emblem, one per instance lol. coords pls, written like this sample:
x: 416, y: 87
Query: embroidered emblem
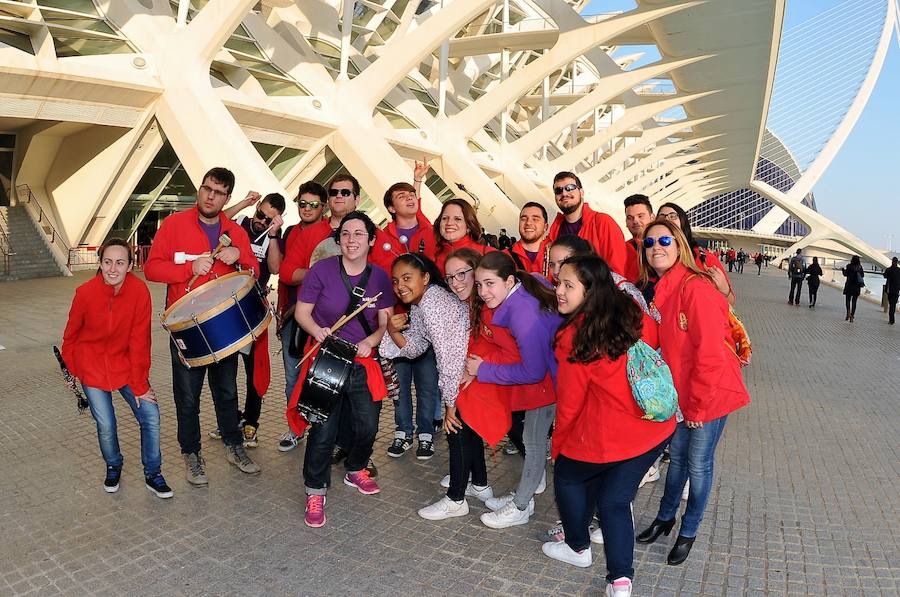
x: 487, y: 331
x: 682, y: 321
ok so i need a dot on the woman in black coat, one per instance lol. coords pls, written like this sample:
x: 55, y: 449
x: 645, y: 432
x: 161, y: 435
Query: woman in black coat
x: 855, y: 281
x: 813, y: 273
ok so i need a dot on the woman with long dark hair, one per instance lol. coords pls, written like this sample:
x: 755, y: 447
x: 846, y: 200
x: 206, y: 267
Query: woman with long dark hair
x: 519, y: 303
x: 601, y: 442
x: 694, y: 337
x: 813, y: 273
x: 853, y: 271
x: 457, y: 227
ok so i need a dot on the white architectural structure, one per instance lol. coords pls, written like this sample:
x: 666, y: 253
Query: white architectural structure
x: 113, y: 109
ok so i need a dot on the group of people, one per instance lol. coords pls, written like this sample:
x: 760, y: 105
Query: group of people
x: 530, y: 342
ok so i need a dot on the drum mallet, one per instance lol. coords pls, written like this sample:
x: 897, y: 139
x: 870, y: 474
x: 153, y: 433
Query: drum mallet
x: 340, y: 323
x: 224, y: 241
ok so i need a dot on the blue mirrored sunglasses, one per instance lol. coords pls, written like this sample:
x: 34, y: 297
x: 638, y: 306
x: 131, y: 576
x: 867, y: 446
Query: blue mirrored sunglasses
x: 664, y: 241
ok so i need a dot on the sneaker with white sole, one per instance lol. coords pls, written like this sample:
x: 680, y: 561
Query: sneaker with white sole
x: 650, y: 476
x: 444, y: 508
x: 216, y: 433
x: 315, y: 511
x: 542, y: 486
x: 445, y: 482
x: 400, y: 445
x: 557, y: 533
x: 237, y: 455
x: 621, y: 587
x: 195, y: 469
x: 289, y: 441
x: 562, y: 552
x: 158, y: 487
x: 510, y: 449
x: 362, y: 481
x: 597, y: 536
x: 111, y: 482
x: 482, y: 493
x: 425, y: 451
x: 507, y: 516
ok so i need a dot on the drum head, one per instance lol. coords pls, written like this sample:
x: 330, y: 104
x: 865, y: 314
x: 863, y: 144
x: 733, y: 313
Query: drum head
x: 207, y: 297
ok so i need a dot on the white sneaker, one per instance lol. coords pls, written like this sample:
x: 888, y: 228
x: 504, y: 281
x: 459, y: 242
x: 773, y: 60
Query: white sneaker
x: 597, y: 536
x: 621, y: 587
x: 507, y: 516
x: 445, y: 482
x: 542, y: 486
x: 444, y: 508
x: 485, y: 493
x: 495, y: 503
x: 651, y: 475
x: 687, y: 490
x: 562, y: 552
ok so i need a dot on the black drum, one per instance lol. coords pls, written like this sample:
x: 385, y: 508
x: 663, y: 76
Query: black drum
x: 325, y: 379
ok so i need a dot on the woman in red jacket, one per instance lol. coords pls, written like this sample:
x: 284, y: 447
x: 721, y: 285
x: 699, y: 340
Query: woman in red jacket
x: 695, y: 338
x: 456, y: 227
x: 106, y: 345
x: 601, y: 444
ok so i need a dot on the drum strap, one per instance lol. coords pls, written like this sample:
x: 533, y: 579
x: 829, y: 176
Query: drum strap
x: 356, y: 295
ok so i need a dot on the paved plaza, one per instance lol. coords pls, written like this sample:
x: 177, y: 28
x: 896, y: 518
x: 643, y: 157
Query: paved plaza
x: 805, y: 499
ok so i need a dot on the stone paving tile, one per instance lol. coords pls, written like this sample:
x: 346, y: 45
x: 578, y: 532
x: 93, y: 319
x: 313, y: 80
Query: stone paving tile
x: 805, y: 499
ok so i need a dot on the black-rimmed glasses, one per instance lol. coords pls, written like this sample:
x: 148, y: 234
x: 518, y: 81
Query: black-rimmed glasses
x: 459, y: 276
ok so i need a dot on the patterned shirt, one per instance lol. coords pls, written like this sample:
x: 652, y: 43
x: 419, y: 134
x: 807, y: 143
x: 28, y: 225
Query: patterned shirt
x: 441, y: 320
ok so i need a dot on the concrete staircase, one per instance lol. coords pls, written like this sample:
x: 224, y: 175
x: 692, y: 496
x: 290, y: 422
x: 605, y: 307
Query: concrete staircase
x: 32, y: 258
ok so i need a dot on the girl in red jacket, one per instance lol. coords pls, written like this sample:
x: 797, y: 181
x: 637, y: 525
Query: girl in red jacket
x: 696, y: 340
x: 601, y: 443
x: 106, y: 345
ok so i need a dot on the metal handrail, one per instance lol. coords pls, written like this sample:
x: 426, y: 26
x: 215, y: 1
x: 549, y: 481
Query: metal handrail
x: 42, y: 217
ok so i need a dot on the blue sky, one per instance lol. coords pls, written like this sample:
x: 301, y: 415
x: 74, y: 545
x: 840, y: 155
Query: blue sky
x: 860, y: 189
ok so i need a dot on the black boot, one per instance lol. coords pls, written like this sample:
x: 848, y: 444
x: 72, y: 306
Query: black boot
x: 681, y: 550
x: 656, y: 529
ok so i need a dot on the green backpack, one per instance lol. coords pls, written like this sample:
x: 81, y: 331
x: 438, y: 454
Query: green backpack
x: 651, y: 382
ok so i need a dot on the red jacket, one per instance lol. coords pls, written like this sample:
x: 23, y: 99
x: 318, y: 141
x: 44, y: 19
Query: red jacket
x: 181, y: 232
x: 632, y: 263
x: 695, y: 338
x: 711, y: 261
x: 441, y: 256
x: 602, y: 232
x: 107, y: 339
x: 388, y: 235
x: 536, y: 266
x: 597, y: 418
x: 299, y: 248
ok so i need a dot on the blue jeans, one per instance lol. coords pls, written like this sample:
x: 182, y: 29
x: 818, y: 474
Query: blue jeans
x: 291, y: 370
x: 583, y: 488
x: 692, y: 454
x: 428, y: 398
x: 147, y: 417
x: 363, y: 421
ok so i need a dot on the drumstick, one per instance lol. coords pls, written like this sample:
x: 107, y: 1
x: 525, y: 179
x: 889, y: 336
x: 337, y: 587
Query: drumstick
x: 340, y: 323
x: 224, y: 241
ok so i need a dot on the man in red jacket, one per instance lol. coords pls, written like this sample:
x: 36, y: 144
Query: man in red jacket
x: 532, y: 246
x: 638, y: 213
x: 197, y: 231
x: 578, y: 219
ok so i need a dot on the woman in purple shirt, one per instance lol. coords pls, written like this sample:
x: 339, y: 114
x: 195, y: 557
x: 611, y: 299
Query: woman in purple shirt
x: 527, y: 308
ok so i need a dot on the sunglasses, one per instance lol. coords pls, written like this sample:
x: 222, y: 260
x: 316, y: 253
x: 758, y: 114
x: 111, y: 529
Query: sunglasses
x: 459, y: 276
x: 309, y: 204
x: 341, y: 192
x: 261, y: 216
x: 566, y: 189
x: 664, y: 241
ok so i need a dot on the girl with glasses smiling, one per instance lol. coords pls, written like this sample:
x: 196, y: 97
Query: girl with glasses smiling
x: 694, y: 336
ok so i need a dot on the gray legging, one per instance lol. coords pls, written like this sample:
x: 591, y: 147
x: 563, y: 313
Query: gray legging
x: 534, y: 436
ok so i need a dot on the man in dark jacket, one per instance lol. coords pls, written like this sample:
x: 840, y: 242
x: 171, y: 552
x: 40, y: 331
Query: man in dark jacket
x: 796, y: 272
x: 893, y: 288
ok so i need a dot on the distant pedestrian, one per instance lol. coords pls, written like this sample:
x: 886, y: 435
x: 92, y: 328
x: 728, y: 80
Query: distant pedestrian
x: 741, y: 259
x: 504, y: 243
x: 796, y: 273
x: 813, y: 273
x: 758, y: 260
x: 731, y: 257
x: 893, y: 288
x: 852, y: 287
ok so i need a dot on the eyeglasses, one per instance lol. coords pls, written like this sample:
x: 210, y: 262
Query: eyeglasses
x: 672, y: 216
x: 214, y: 193
x: 341, y: 192
x: 664, y: 241
x: 310, y: 204
x: 261, y: 216
x: 566, y: 189
x: 459, y: 276
x: 358, y: 235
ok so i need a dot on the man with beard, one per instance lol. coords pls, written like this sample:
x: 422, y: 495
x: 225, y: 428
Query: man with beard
x: 197, y: 231
x: 577, y: 218
x: 531, y: 250
x: 264, y: 230
x: 638, y: 213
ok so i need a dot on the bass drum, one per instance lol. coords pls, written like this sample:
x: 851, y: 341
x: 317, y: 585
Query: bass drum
x: 325, y: 380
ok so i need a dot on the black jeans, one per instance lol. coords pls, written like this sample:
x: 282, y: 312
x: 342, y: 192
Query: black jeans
x: 253, y: 402
x: 850, y: 301
x: 515, y: 431
x: 362, y: 415
x: 796, y: 285
x: 892, y: 306
x: 583, y: 488
x: 813, y: 291
x: 466, y: 450
x: 187, y: 384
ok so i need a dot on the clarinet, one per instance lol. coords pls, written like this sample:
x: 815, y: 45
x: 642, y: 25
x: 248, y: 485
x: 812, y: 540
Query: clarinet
x: 422, y: 245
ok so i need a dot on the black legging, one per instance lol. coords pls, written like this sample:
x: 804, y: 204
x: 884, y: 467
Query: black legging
x: 851, y: 303
x: 813, y: 291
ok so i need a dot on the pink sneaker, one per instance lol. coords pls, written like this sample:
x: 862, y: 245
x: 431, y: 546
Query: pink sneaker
x: 362, y: 481
x: 315, y: 511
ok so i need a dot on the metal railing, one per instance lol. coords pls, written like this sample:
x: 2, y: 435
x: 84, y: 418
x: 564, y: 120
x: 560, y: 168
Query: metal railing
x: 27, y: 198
